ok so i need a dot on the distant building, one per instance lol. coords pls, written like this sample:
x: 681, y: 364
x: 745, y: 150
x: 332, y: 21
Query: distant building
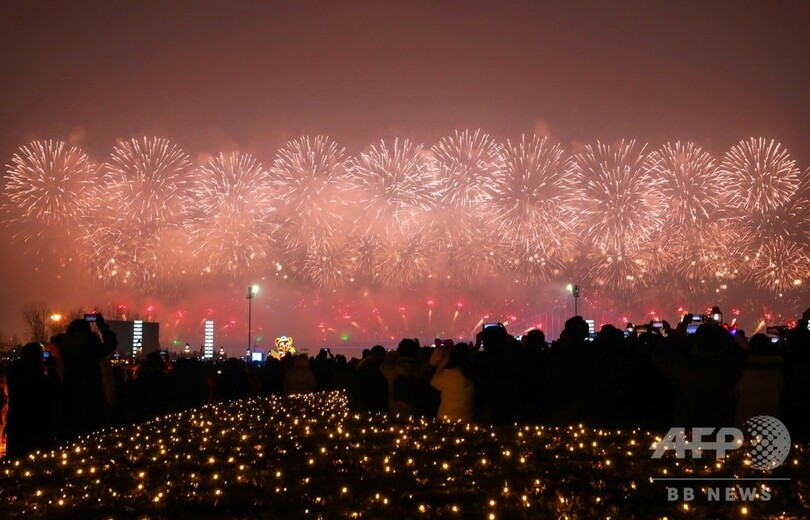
x: 208, y: 340
x: 137, y: 337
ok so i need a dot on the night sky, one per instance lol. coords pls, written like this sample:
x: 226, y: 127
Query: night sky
x: 248, y: 76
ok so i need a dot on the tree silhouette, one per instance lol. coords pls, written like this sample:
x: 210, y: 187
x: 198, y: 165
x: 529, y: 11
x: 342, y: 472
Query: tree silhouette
x: 35, y: 315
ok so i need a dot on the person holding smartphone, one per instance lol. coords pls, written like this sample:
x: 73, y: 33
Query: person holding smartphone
x: 82, y: 352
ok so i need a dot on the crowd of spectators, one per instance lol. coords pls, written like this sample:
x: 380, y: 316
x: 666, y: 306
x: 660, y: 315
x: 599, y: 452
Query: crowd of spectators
x: 655, y: 379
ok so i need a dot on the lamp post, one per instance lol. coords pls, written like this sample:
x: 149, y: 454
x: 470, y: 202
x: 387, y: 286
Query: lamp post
x: 574, y: 290
x: 252, y: 290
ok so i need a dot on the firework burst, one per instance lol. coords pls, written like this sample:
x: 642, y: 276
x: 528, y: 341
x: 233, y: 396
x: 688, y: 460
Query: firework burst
x: 329, y: 263
x: 687, y: 178
x: 619, y: 204
x: 466, y: 214
x: 759, y: 175
x: 49, y: 182
x: 468, y: 165
x: 468, y: 255
x: 394, y: 186
x: 309, y: 178
x: 531, y: 199
x: 404, y: 259
x: 711, y: 255
x: 169, y: 255
x: 790, y: 221
x: 110, y: 249
x: 148, y: 180
x: 531, y: 265
x: 624, y: 270
x: 235, y: 230
x: 780, y: 266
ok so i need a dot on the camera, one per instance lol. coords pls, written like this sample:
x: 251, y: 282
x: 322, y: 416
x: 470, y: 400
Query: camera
x: 493, y: 326
x: 92, y: 318
x: 692, y: 328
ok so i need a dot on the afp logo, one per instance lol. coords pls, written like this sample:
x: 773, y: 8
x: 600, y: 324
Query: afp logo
x: 768, y: 442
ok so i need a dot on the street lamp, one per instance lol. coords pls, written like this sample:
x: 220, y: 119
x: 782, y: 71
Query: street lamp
x: 574, y: 290
x: 252, y: 290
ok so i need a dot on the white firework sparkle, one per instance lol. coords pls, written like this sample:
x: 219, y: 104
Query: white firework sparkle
x: 394, y: 185
x: 759, y: 175
x: 619, y: 200
x: 235, y: 230
x: 50, y: 183
x: 531, y: 200
x: 687, y: 179
x: 469, y: 164
x: 780, y: 266
x: 310, y: 180
x: 150, y: 181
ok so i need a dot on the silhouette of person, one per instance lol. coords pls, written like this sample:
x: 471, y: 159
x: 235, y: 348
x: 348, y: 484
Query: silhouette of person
x: 457, y: 397
x: 82, y: 352
x: 28, y: 406
x: 299, y: 379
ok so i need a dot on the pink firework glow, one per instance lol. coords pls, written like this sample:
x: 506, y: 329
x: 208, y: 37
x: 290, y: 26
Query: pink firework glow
x: 403, y: 237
